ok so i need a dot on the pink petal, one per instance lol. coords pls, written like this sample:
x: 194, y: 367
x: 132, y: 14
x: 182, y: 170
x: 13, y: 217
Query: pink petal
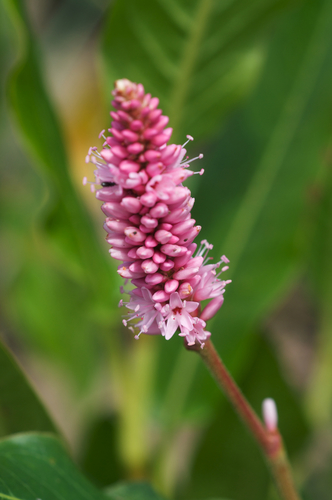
x: 191, y: 306
x: 175, y: 300
x: 185, y: 319
x: 171, y: 327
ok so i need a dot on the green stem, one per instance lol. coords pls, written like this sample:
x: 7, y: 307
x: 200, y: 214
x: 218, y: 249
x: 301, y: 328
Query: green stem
x: 270, y: 443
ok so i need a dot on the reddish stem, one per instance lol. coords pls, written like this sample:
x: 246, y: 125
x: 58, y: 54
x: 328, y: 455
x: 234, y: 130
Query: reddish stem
x: 270, y: 443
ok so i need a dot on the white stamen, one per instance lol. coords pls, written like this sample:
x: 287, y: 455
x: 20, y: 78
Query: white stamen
x: 199, y: 157
x: 190, y: 138
x: 201, y: 172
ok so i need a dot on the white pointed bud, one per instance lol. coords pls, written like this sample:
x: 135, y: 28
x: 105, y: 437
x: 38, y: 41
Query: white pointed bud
x: 270, y: 414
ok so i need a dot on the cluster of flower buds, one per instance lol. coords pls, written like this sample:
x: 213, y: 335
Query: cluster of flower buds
x: 149, y: 223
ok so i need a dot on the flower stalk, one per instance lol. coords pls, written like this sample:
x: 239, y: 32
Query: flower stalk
x: 268, y: 437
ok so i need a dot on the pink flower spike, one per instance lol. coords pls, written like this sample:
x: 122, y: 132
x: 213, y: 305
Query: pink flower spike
x: 149, y: 221
x: 270, y: 414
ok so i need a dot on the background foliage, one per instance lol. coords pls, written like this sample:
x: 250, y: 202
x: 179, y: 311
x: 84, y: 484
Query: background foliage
x: 251, y: 81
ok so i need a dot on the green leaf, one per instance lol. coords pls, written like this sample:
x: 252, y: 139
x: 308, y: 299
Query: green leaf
x: 64, y: 283
x: 252, y: 200
x: 20, y: 408
x: 319, y: 396
x: 37, y: 466
x: 287, y: 128
x: 199, y: 57
x: 99, y: 458
x: 132, y: 491
x: 67, y: 222
x: 51, y: 318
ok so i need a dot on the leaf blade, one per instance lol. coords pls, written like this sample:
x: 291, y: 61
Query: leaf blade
x: 36, y: 466
x: 16, y: 395
x: 173, y: 48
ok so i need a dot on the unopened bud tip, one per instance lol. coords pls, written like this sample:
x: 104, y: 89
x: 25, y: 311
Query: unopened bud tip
x: 270, y: 414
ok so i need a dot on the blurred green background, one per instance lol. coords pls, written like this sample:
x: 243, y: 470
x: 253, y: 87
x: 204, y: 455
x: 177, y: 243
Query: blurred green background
x: 252, y: 82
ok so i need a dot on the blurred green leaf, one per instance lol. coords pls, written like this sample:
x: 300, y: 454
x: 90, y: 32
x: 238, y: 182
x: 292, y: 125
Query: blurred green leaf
x: 65, y: 286
x: 132, y: 491
x: 37, y: 466
x: 287, y: 128
x: 199, y: 58
x: 319, y: 397
x: 318, y: 483
x: 100, y: 459
x: 68, y: 224
x: 252, y: 200
x: 239, y: 468
x: 318, y: 473
x: 20, y: 408
x: 51, y: 321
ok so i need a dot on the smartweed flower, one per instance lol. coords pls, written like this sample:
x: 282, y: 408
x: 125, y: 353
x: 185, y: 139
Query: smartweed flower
x: 148, y: 221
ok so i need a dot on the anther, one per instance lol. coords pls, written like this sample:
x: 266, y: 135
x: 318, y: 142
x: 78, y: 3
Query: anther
x: 190, y: 138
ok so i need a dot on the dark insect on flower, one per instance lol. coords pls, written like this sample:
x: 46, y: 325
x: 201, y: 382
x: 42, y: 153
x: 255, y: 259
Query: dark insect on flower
x: 107, y: 184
